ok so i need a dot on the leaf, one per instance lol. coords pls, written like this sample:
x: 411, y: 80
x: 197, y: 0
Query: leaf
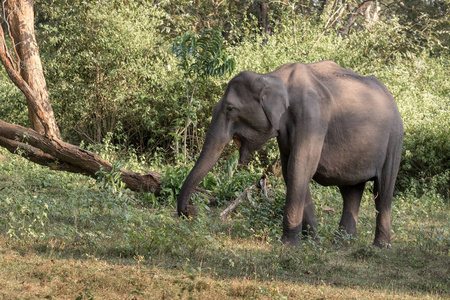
x: 206, y: 52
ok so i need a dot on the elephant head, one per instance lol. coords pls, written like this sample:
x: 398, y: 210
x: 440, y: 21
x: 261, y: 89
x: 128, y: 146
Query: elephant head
x: 249, y: 113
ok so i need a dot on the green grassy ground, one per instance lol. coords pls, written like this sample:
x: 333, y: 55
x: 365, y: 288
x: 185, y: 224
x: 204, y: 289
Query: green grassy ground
x: 64, y: 237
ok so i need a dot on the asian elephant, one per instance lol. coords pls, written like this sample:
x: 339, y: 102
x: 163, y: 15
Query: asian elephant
x: 331, y: 124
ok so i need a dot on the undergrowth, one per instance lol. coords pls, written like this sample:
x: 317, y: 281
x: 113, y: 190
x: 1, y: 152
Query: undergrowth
x: 62, y: 215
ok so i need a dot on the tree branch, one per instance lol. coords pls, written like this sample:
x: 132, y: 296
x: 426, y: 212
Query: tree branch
x: 261, y: 185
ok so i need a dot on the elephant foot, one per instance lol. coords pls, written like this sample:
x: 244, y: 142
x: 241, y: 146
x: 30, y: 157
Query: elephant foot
x: 382, y: 244
x: 291, y: 240
x: 382, y: 238
x: 190, y: 212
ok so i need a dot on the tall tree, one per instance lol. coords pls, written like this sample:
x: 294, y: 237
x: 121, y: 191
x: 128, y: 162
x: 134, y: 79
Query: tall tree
x: 18, y: 16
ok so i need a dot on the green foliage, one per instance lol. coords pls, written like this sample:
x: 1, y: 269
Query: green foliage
x: 125, y: 81
x: 229, y: 181
x: 225, y: 184
x: 424, y: 107
x: 13, y: 107
x: 229, y: 169
x: 199, y: 58
x: 203, y: 56
x: 102, y: 70
x: 426, y: 24
x: 265, y: 214
x: 25, y: 219
x: 164, y: 234
x: 110, y: 180
x: 171, y: 183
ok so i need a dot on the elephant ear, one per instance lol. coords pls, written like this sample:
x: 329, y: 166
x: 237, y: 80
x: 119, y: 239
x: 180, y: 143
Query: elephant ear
x: 274, y: 99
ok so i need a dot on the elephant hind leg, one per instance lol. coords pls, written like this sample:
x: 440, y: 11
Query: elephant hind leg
x: 383, y: 191
x: 352, y: 199
x: 383, y: 201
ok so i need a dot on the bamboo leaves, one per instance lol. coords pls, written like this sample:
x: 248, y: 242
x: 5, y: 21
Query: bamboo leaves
x: 202, y: 56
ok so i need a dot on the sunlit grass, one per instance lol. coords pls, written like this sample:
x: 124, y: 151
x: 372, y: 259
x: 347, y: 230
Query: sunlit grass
x: 75, y: 239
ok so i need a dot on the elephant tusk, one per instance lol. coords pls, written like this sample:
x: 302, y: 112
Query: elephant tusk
x: 237, y: 141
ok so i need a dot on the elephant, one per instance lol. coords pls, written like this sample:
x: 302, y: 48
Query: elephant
x: 332, y: 126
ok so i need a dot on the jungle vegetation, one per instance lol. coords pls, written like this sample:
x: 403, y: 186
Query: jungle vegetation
x: 135, y: 82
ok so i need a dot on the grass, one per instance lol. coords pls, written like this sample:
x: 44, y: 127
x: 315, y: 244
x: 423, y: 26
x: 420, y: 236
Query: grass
x: 64, y: 237
x: 33, y: 275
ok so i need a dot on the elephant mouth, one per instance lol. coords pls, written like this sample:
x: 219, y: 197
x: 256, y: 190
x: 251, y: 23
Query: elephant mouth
x: 242, y: 144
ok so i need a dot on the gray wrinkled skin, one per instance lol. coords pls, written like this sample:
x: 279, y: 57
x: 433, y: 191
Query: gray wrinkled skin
x: 331, y: 124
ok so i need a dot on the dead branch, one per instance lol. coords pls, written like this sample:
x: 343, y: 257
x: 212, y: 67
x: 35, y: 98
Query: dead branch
x: 261, y: 184
x: 235, y: 203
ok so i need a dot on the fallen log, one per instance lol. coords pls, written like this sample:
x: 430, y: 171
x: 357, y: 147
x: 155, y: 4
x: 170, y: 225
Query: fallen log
x: 62, y: 156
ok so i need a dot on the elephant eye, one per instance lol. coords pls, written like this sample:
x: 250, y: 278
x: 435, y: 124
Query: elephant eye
x: 230, y: 108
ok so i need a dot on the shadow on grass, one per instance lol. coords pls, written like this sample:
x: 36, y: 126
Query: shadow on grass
x: 230, y: 253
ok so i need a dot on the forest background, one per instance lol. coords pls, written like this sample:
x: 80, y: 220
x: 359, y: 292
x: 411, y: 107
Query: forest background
x: 118, y: 89
x: 111, y: 72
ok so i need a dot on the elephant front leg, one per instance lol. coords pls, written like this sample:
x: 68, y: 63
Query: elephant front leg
x: 296, y: 222
x: 292, y: 225
x: 305, y: 139
x: 299, y: 219
x: 309, y: 222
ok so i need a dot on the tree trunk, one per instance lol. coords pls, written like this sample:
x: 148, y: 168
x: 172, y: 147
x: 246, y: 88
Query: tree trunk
x: 363, y: 9
x: 19, y: 17
x: 265, y: 17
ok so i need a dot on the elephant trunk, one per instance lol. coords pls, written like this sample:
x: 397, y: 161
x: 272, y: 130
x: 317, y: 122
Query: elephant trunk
x: 211, y: 152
